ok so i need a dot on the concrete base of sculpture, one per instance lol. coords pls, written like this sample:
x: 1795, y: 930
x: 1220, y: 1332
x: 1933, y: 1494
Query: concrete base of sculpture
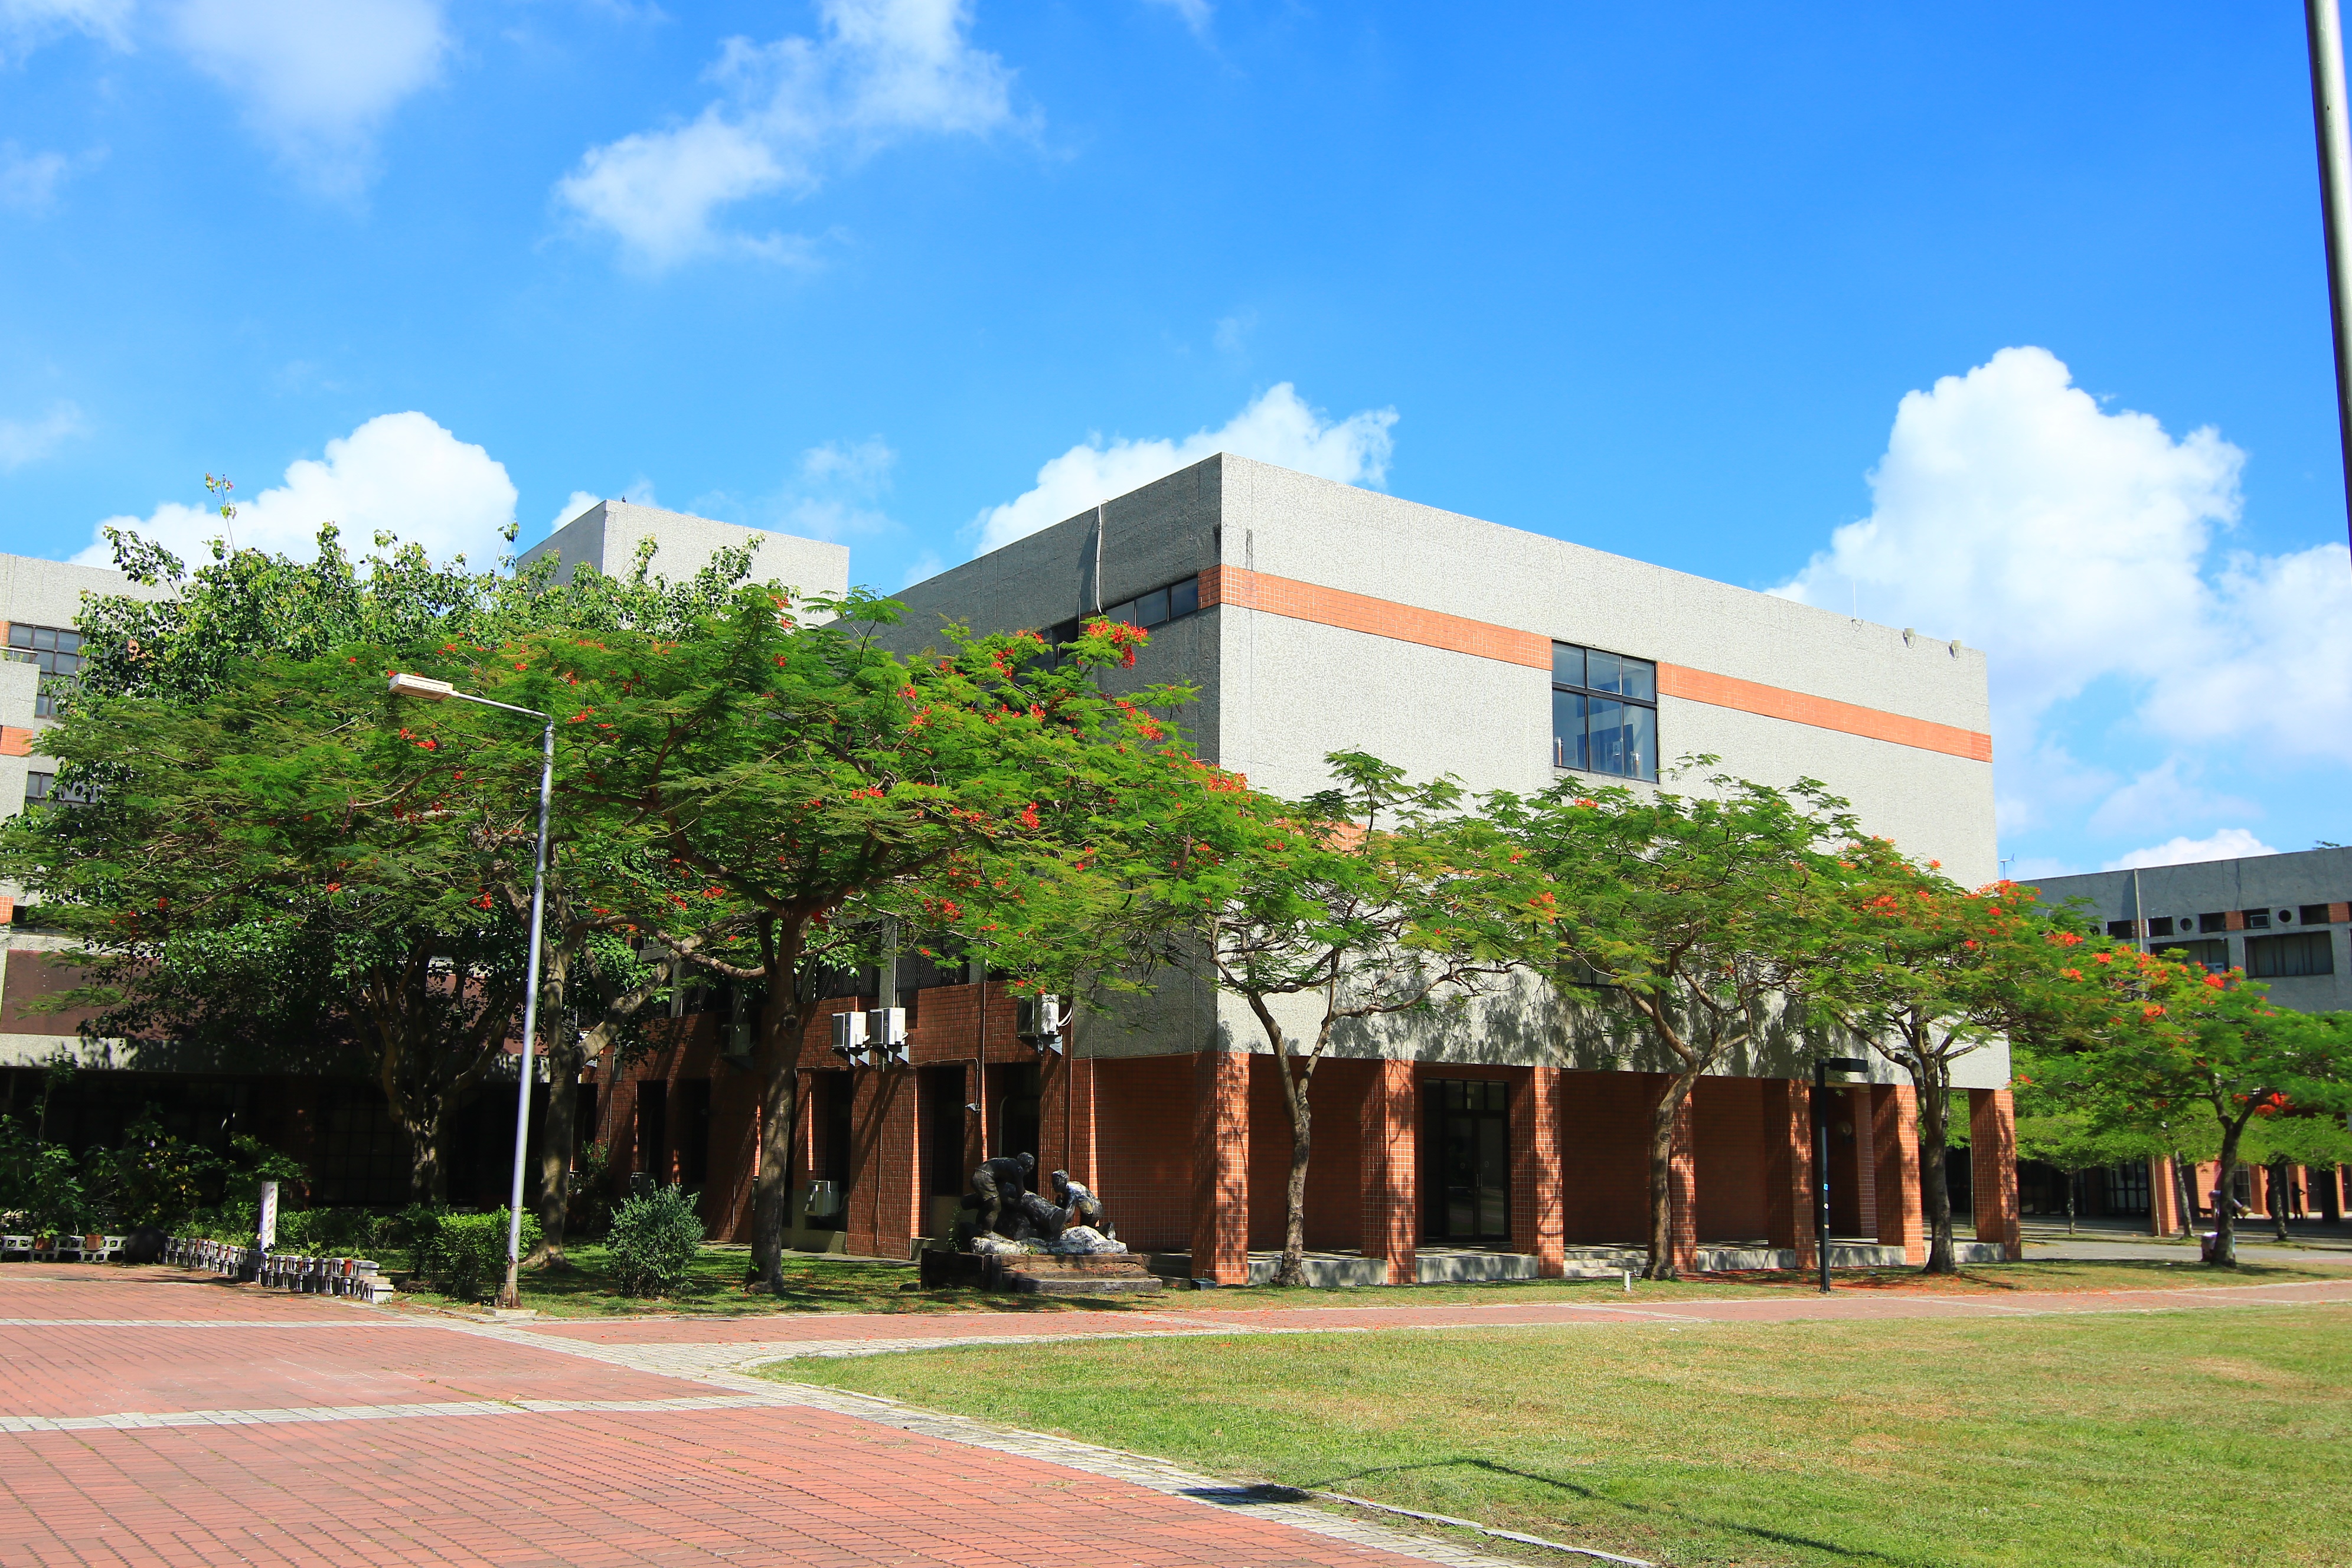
x: 1039, y: 1272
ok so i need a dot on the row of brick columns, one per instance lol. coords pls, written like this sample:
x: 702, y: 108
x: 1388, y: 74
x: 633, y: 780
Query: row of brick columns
x: 1885, y: 1174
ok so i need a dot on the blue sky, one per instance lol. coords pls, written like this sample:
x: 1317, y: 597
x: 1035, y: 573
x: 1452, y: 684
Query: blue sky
x: 913, y: 275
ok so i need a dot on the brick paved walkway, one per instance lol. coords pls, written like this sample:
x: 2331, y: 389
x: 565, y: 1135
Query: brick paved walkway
x: 148, y: 1417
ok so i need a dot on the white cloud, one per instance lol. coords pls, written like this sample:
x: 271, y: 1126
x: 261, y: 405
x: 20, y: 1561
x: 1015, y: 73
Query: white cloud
x: 24, y: 441
x: 926, y: 565
x: 2075, y: 546
x: 398, y: 473
x: 580, y: 502
x: 2229, y: 844
x: 317, y: 78
x: 1195, y: 14
x: 26, y: 24
x: 1278, y: 427
x: 29, y: 181
x: 1233, y: 333
x: 2160, y: 797
x: 881, y: 70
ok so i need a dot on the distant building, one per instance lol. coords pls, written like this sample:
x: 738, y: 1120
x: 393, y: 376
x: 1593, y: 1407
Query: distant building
x: 2286, y: 920
x: 608, y: 534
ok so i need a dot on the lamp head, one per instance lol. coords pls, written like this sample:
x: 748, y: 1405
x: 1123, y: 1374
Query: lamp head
x: 425, y: 685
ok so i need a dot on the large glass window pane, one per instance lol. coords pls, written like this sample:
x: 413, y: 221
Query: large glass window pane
x: 1609, y: 738
x: 1124, y: 614
x: 1184, y: 598
x: 1641, y: 744
x: 22, y: 637
x: 1600, y: 671
x: 1638, y: 677
x: 1567, y: 663
x: 1152, y: 610
x: 1568, y: 743
x: 1494, y: 1171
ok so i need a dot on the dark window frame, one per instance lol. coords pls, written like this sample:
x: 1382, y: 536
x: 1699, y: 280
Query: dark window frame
x: 1645, y: 769
x: 2271, y: 957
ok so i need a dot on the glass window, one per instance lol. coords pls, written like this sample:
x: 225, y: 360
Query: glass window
x: 1604, y: 716
x: 1151, y: 609
x: 2126, y: 929
x: 2289, y: 957
x: 38, y: 787
x: 2214, y: 952
x: 2257, y: 920
x: 2218, y: 920
x: 2312, y: 914
x: 2160, y: 925
x: 1568, y: 748
x: 1123, y: 613
x: 1183, y: 598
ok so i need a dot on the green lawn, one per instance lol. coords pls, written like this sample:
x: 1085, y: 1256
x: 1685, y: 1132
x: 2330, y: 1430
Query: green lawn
x: 2208, y: 1436
x: 849, y: 1285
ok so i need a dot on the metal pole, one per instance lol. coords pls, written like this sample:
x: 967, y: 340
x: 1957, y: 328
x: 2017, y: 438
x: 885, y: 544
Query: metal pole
x: 511, y: 1295
x: 2325, y: 28
x: 1821, y: 1170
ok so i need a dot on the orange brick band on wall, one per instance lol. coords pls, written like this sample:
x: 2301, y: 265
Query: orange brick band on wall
x: 1297, y: 601
x: 15, y: 741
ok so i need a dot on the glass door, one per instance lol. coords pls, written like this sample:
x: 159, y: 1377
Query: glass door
x: 1470, y: 1160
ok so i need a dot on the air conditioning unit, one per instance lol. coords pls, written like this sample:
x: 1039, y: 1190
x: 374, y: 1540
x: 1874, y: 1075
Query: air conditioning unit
x: 887, y: 1032
x: 823, y: 1200
x: 849, y: 1035
x: 1041, y: 1022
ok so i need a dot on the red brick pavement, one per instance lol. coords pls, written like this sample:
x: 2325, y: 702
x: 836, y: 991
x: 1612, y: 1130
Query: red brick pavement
x: 790, y: 1486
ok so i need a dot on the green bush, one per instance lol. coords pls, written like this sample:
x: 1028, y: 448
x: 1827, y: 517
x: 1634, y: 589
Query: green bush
x: 653, y: 1241
x: 327, y: 1233
x: 590, y: 1205
x: 417, y: 1228
x: 470, y: 1252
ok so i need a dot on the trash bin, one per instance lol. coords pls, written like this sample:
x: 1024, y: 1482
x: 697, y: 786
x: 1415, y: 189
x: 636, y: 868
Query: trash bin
x: 2205, y: 1246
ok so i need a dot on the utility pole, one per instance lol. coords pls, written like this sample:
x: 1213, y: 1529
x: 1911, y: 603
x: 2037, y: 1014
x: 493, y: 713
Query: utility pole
x: 2324, y: 24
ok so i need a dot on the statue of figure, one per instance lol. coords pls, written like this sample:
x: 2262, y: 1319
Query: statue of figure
x: 1034, y: 1219
x: 997, y: 1188
x: 1079, y: 1206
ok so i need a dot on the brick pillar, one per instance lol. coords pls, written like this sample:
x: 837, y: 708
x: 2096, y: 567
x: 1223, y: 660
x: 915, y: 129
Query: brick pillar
x: 1065, y: 1122
x: 1895, y: 1141
x: 1536, y: 1196
x: 1789, y: 1167
x: 2163, y: 1193
x: 1992, y: 1163
x: 1865, y: 1159
x: 1391, y: 1126
x: 1683, y: 1182
x: 1220, y: 1167
x: 886, y: 1191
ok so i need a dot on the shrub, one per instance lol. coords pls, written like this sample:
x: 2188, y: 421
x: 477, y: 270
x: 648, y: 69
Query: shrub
x: 327, y: 1233
x: 418, y: 1229
x: 653, y: 1241
x: 590, y: 1193
x: 470, y: 1252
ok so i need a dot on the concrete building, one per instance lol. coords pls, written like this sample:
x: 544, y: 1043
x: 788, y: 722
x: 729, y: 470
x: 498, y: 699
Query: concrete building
x: 608, y: 535
x: 2285, y: 921
x: 1313, y: 617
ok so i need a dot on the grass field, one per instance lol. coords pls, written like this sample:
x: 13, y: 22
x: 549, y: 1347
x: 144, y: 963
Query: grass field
x: 2193, y: 1437
x: 851, y: 1285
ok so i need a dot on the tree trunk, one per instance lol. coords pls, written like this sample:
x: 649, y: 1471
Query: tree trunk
x: 1292, y: 1270
x: 2280, y: 1180
x: 1934, y: 1134
x: 556, y: 1147
x: 2070, y: 1176
x: 428, y: 1182
x: 2225, y: 1221
x: 1661, y: 1176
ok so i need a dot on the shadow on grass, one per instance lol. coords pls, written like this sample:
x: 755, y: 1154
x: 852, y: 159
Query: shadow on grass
x: 1587, y: 1494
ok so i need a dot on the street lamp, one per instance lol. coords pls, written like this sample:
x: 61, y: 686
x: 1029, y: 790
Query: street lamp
x: 1823, y: 1067
x: 431, y: 691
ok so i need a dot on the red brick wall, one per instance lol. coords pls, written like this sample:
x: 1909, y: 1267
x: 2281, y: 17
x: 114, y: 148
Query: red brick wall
x: 1992, y: 1167
x: 1604, y: 1143
x: 1334, y: 1194
x: 1143, y: 1119
x: 1388, y: 1220
x: 1787, y: 1166
x: 1220, y: 1137
x: 1727, y: 1135
x: 1535, y: 1168
x: 1685, y: 1179
x: 885, y: 1186
x: 1895, y: 1141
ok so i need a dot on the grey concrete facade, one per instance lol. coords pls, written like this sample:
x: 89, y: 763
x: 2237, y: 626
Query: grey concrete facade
x: 2259, y: 914
x: 1280, y: 690
x: 47, y: 594
x: 608, y: 536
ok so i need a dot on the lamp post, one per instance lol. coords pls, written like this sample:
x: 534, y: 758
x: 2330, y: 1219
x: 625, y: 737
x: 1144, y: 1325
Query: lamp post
x: 431, y: 691
x: 1823, y: 1067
